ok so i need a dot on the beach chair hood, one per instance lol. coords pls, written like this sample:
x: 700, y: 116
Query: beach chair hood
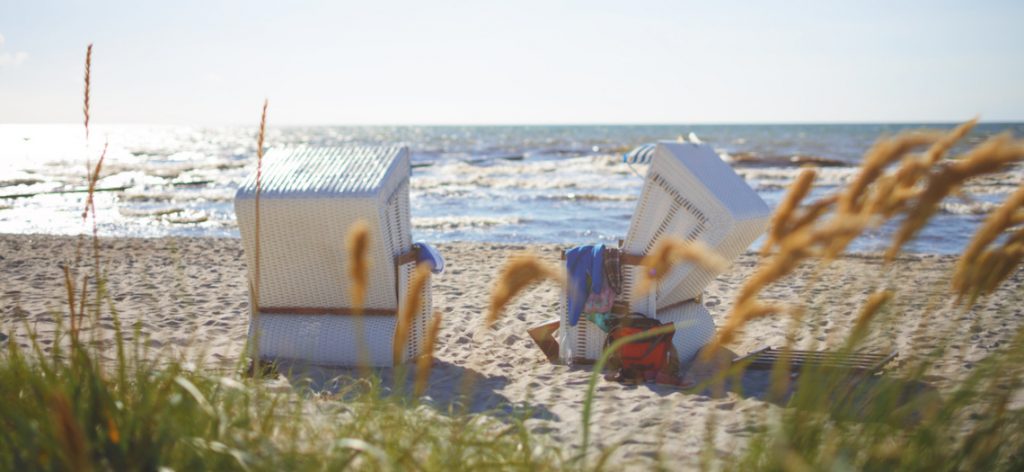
x: 689, y: 192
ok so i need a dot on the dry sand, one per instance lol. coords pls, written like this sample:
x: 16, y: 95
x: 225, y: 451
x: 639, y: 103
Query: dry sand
x: 191, y: 293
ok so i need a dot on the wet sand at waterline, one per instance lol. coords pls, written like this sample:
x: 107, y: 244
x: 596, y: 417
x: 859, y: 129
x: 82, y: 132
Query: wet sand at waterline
x: 189, y: 296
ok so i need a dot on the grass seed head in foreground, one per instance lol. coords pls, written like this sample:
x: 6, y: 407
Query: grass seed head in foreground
x: 358, y: 244
x: 76, y: 411
x: 671, y: 251
x: 407, y: 315
x: 783, y: 215
x: 879, y: 193
x: 425, y: 361
x: 519, y: 272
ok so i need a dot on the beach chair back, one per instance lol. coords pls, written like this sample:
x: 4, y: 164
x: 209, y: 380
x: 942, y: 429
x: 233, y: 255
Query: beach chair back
x: 689, y: 192
x: 309, y: 199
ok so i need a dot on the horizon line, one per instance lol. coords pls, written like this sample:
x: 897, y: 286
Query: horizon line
x: 535, y: 124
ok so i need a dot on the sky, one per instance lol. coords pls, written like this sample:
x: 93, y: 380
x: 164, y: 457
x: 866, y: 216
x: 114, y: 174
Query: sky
x: 513, y: 62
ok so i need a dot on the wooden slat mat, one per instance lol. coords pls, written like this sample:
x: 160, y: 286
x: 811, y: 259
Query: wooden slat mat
x: 860, y: 362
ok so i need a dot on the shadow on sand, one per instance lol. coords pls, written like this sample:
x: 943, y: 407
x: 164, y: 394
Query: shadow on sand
x: 451, y: 389
x: 845, y: 396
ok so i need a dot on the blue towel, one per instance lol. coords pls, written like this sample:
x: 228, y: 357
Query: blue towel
x: 581, y: 262
x: 430, y: 255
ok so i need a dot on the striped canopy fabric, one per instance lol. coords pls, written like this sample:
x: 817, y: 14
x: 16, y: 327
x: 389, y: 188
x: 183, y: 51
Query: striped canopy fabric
x: 640, y: 155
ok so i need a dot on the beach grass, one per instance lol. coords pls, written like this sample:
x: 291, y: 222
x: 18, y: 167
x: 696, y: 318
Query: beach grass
x: 96, y: 404
x: 68, y: 411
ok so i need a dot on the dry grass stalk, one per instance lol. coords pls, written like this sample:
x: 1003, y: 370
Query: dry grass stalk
x: 70, y: 434
x: 867, y: 313
x: 884, y: 152
x: 670, y: 251
x: 425, y: 361
x: 740, y: 316
x: 784, y: 213
x: 908, y: 174
x: 996, y: 223
x: 993, y: 155
x: 980, y: 270
x: 358, y: 243
x: 837, y: 234
x: 811, y: 213
x: 1004, y: 262
x: 85, y: 103
x: 69, y: 286
x: 914, y: 189
x: 259, y: 186
x: 81, y: 302
x: 407, y: 314
x: 93, y: 178
x: 519, y: 272
x: 90, y: 207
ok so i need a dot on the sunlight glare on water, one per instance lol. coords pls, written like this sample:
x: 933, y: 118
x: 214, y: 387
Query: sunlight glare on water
x: 551, y: 184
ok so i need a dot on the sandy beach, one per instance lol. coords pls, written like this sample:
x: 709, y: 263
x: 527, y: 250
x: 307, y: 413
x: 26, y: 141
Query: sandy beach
x: 189, y: 295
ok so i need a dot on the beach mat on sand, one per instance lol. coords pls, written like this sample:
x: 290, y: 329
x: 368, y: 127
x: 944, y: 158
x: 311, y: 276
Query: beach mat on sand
x: 858, y: 362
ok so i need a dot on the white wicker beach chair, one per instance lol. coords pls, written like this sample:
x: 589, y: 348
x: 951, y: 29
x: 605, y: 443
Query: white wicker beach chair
x: 309, y: 199
x: 691, y: 193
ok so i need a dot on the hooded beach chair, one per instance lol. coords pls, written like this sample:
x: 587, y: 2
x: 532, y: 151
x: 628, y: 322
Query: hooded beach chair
x: 688, y: 192
x: 309, y: 199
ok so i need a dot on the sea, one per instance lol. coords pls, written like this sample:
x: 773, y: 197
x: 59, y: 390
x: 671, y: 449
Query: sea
x: 501, y: 184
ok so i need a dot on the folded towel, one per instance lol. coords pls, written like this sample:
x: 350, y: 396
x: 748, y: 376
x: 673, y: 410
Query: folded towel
x: 430, y: 255
x: 583, y: 264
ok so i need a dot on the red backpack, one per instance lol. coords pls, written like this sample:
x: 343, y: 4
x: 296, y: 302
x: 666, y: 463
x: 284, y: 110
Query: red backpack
x: 652, y: 354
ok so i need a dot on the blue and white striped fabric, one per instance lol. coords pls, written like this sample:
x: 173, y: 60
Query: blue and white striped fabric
x: 640, y: 155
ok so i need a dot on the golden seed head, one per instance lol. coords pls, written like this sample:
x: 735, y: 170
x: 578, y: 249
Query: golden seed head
x: 519, y: 272
x: 358, y: 243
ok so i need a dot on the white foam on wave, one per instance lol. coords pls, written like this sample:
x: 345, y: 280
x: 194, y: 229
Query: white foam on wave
x: 462, y: 222
x: 782, y: 177
x: 960, y: 207
x: 16, y: 177
x: 595, y: 173
x: 591, y: 197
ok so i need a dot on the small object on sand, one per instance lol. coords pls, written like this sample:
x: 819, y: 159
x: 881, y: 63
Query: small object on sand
x: 544, y: 335
x: 191, y: 183
x: 65, y: 192
x: 673, y: 380
x: 261, y: 369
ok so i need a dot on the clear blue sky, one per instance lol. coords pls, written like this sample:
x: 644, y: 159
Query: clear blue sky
x: 523, y: 61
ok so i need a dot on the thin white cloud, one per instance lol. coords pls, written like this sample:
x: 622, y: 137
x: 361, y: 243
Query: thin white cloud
x: 1, y: 40
x: 12, y: 59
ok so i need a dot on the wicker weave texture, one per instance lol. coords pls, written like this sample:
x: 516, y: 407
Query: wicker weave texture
x: 309, y: 199
x: 577, y: 341
x: 694, y: 328
x: 689, y: 192
x: 313, y: 172
x: 323, y: 339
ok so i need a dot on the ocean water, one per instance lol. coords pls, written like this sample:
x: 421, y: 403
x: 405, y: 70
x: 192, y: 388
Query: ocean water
x: 521, y: 184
